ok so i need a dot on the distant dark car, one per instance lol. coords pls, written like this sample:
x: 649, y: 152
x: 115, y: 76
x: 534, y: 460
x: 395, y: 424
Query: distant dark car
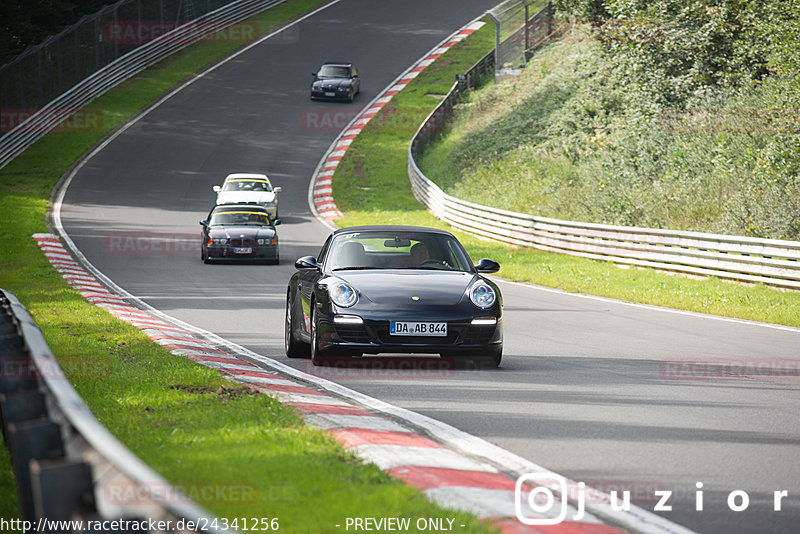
x: 335, y: 81
x: 239, y: 232
x: 378, y: 289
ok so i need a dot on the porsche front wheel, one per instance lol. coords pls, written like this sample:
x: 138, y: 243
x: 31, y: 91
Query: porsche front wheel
x: 294, y: 348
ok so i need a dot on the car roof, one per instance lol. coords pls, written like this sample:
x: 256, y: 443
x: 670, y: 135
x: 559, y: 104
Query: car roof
x: 338, y: 64
x: 246, y: 175
x: 391, y: 228
x: 248, y: 207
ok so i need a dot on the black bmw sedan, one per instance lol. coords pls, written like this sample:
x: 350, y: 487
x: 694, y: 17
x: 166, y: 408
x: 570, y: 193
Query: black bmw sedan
x: 393, y: 289
x: 335, y: 81
x: 239, y: 232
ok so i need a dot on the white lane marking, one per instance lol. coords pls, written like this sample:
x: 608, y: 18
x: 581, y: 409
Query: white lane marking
x: 652, y: 307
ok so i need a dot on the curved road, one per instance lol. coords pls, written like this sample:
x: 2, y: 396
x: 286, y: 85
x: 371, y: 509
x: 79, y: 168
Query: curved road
x: 586, y: 387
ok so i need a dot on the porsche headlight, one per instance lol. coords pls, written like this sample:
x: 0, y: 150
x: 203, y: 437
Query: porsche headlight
x: 342, y: 294
x: 482, y: 295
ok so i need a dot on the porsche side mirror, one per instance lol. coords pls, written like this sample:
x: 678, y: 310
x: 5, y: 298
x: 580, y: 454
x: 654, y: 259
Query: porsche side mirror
x: 306, y: 262
x: 277, y: 189
x: 276, y: 222
x: 203, y: 223
x: 487, y: 266
x: 216, y: 189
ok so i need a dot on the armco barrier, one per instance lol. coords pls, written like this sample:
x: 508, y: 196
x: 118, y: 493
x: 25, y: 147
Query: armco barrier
x: 768, y: 261
x: 64, y: 461
x: 56, y: 111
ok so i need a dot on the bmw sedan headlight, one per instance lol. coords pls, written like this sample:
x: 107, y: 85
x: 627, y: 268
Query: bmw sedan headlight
x: 482, y: 295
x: 342, y: 294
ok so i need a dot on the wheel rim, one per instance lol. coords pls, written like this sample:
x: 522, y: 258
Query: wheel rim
x: 287, y: 331
x: 314, y: 350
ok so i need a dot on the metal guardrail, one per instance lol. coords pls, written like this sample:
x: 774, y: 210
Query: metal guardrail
x: 768, y: 261
x: 68, y: 467
x: 59, y: 109
x: 437, y: 121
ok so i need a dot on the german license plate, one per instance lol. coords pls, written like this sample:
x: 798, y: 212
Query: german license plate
x: 330, y: 93
x: 245, y: 250
x: 404, y: 328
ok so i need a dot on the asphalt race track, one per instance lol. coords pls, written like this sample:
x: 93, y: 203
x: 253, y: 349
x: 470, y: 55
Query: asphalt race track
x: 587, y: 387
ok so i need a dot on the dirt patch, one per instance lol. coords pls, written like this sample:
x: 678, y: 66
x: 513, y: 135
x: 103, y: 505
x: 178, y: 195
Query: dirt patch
x: 223, y: 392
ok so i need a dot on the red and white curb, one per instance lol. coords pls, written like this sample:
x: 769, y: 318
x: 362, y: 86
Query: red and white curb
x: 320, y: 192
x: 451, y: 468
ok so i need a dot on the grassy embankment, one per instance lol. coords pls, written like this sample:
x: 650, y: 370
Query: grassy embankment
x: 668, y: 117
x: 371, y: 184
x: 189, y: 423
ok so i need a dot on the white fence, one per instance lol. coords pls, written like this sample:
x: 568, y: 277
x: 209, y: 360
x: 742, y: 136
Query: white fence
x: 769, y: 261
x: 56, y: 111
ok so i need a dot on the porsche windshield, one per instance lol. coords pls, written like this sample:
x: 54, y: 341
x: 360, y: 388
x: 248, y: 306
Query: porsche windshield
x: 397, y: 250
x: 246, y: 185
x: 239, y: 218
x: 331, y: 71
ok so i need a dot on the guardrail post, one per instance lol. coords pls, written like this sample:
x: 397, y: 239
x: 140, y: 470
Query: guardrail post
x: 527, y: 29
x: 31, y: 440
x: 20, y: 407
x: 61, y: 488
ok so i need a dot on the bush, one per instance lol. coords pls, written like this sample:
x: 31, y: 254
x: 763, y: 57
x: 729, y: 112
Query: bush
x: 668, y: 114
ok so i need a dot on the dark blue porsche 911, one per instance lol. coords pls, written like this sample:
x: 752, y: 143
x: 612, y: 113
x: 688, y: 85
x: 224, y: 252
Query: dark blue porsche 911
x: 390, y: 289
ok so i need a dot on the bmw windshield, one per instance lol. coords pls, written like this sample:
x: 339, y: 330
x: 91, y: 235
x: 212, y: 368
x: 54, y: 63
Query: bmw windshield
x: 238, y: 217
x: 246, y: 185
x: 330, y: 71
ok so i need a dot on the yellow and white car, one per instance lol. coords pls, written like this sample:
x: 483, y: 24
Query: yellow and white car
x: 249, y: 188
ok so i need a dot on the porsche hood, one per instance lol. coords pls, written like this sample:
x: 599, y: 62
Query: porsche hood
x: 397, y: 287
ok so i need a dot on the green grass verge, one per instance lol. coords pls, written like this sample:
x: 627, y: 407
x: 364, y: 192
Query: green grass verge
x: 189, y: 423
x: 371, y: 186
